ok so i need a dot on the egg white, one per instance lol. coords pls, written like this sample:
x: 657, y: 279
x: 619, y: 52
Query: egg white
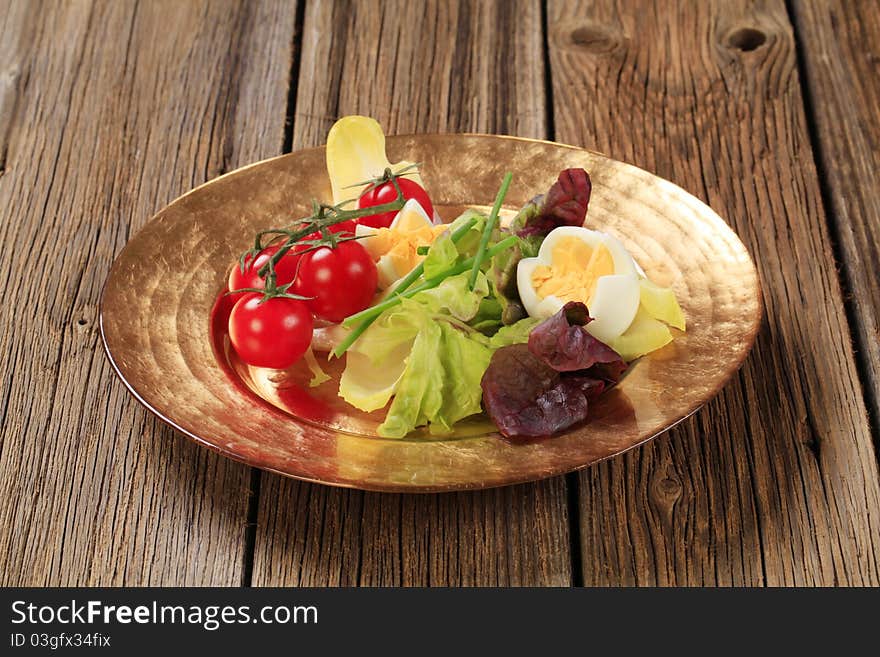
x: 388, y: 274
x: 412, y: 206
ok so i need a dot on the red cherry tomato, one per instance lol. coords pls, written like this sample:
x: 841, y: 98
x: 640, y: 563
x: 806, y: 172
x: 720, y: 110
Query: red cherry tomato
x: 341, y: 281
x: 285, y: 271
x: 274, y: 333
x: 385, y: 193
x: 343, y: 228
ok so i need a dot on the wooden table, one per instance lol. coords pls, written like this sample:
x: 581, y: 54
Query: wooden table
x: 767, y: 111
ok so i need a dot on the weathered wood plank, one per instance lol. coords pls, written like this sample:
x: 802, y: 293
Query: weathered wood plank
x: 840, y: 47
x: 775, y: 482
x: 427, y: 67
x: 118, y: 107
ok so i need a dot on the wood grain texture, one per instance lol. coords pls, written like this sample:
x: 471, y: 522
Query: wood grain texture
x: 416, y: 67
x: 775, y: 482
x: 840, y: 48
x: 108, y: 111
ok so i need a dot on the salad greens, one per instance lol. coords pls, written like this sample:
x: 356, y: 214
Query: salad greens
x: 564, y: 204
x: 547, y: 385
x: 439, y: 378
x: 454, y: 337
x: 446, y: 331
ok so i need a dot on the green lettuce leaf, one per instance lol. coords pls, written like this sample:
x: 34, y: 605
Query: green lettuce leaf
x: 454, y: 297
x: 440, y: 383
x: 376, y: 363
x: 514, y: 334
x: 424, y: 354
x: 444, y: 253
x: 488, y: 318
x: 464, y: 360
x: 502, y: 278
x: 419, y: 395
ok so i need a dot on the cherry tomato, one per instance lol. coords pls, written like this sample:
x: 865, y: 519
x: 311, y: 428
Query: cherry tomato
x: 274, y: 333
x: 345, y: 228
x: 285, y: 271
x: 385, y: 193
x: 341, y: 281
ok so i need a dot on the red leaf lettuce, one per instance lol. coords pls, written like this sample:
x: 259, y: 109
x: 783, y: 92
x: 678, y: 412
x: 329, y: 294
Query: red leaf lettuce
x: 564, y: 204
x: 547, y: 385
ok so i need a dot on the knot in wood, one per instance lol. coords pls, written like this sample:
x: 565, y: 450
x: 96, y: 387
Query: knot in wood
x: 595, y: 38
x: 669, y: 487
x: 746, y: 39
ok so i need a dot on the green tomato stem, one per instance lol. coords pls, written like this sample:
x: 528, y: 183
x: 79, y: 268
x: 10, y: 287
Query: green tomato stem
x: 317, y: 220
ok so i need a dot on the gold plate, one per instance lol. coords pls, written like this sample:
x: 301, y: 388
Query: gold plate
x: 156, y: 315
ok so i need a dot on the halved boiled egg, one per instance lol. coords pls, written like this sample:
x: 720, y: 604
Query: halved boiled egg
x: 579, y: 264
x: 395, y: 248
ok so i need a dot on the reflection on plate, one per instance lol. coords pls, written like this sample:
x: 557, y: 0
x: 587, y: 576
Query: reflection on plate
x: 166, y: 337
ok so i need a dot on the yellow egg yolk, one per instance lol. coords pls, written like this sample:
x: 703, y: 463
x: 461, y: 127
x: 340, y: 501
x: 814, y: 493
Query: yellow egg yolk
x: 401, y: 245
x: 575, y: 268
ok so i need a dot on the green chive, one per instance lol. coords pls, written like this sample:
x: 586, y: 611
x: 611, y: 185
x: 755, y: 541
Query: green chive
x: 487, y: 230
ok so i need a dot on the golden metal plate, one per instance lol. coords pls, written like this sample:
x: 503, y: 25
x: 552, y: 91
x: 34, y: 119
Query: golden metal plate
x: 156, y: 316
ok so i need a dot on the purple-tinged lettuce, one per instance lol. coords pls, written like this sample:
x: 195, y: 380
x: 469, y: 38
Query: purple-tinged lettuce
x: 564, y: 344
x: 564, y: 204
x: 547, y: 385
